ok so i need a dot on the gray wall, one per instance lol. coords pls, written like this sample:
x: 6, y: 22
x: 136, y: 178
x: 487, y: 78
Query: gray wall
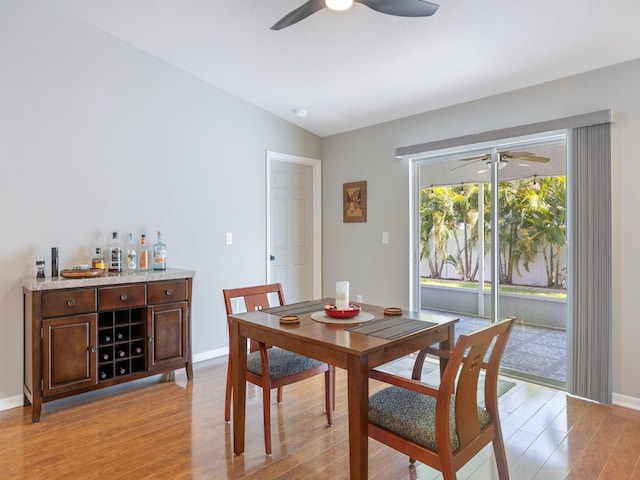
x: 97, y: 136
x: 381, y: 272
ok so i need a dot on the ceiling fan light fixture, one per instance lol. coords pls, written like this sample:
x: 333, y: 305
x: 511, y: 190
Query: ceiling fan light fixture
x: 535, y: 185
x: 501, y: 164
x: 338, y: 4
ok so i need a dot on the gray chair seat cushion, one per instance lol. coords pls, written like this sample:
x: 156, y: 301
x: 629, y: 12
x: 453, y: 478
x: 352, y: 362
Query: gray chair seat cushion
x: 282, y: 363
x: 412, y: 415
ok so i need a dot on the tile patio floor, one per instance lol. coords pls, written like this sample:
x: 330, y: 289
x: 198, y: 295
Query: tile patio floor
x: 532, y: 350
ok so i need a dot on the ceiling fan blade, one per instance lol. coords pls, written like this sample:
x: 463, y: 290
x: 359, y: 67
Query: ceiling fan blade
x: 471, y: 160
x: 300, y: 13
x: 525, y: 156
x: 402, y: 8
x: 535, y: 158
x: 487, y: 157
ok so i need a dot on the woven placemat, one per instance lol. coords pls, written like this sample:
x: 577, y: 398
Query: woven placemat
x: 295, y: 308
x: 392, y: 328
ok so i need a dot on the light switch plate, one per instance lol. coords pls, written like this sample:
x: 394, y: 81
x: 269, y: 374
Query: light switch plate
x: 228, y: 238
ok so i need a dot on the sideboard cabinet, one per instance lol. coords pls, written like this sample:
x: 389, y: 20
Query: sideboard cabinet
x: 85, y: 334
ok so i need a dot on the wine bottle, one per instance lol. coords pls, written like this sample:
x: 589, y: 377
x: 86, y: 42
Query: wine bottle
x: 120, y: 371
x: 106, y: 338
x: 98, y: 260
x: 103, y: 375
x: 119, y: 336
x: 121, y: 353
x: 143, y: 254
x: 132, y: 255
x: 159, y: 254
x: 115, y: 255
x: 105, y: 356
x: 137, y: 350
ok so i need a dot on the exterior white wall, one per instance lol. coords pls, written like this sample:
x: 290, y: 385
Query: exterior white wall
x: 97, y: 136
x: 380, y: 273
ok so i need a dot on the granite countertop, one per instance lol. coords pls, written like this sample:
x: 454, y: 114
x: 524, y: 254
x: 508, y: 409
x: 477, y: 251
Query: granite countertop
x: 57, y: 283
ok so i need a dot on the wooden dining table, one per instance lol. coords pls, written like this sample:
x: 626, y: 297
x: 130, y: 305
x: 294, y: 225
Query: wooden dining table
x: 336, y: 344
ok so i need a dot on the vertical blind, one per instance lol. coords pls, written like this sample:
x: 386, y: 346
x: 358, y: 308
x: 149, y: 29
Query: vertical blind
x: 590, y: 295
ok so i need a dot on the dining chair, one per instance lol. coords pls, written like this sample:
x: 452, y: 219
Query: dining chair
x: 272, y: 367
x: 445, y: 427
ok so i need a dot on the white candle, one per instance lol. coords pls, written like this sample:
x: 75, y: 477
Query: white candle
x: 342, y: 295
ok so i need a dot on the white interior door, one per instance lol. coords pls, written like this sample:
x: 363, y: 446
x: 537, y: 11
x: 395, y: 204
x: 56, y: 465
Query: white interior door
x: 293, y: 226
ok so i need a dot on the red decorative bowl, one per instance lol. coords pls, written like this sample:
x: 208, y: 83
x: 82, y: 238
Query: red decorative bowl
x: 334, y: 312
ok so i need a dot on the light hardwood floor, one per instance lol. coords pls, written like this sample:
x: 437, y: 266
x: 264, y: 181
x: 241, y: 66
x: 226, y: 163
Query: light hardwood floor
x: 175, y: 430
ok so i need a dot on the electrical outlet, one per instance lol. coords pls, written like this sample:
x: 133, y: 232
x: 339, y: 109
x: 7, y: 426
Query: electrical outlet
x: 228, y: 238
x: 359, y: 298
x: 385, y: 237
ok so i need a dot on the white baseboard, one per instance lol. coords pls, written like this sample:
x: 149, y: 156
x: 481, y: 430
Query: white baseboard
x: 11, y: 402
x: 18, y: 400
x: 625, y: 401
x: 220, y: 352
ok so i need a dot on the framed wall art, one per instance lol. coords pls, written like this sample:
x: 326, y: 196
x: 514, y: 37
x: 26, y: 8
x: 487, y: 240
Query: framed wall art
x: 354, y: 202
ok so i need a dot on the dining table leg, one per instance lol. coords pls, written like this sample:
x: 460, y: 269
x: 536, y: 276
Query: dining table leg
x: 447, y: 345
x: 358, y: 398
x: 238, y: 345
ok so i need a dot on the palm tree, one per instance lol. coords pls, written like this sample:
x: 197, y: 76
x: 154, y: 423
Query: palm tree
x: 435, y: 227
x: 548, y: 227
x: 517, y: 247
x: 465, y: 208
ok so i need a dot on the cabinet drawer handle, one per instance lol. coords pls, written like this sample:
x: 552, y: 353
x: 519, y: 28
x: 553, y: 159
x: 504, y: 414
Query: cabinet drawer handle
x: 123, y: 297
x: 70, y: 303
x: 168, y: 292
x: 151, y: 339
x: 93, y: 349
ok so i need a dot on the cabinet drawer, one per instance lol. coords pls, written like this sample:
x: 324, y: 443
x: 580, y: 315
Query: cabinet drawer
x: 68, y: 302
x: 121, y: 296
x: 164, y: 292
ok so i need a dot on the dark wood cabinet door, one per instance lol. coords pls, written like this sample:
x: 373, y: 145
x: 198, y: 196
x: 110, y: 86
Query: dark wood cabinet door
x: 168, y: 335
x: 69, y: 353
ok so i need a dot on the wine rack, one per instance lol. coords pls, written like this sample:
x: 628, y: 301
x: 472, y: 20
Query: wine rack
x: 121, y: 343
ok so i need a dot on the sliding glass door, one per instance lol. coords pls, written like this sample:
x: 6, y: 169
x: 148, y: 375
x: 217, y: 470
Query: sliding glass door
x: 491, y: 236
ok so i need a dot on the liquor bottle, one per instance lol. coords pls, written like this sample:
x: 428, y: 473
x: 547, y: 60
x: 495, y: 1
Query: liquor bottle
x: 115, y: 255
x: 98, y: 260
x: 132, y: 255
x: 159, y: 254
x: 143, y: 254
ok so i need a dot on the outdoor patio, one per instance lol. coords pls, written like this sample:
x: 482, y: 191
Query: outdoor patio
x: 532, y: 350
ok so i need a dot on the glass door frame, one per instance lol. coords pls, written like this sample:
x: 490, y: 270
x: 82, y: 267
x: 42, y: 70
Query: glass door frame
x: 492, y: 148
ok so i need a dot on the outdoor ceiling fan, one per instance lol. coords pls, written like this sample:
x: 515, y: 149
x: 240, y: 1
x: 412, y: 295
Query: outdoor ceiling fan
x: 504, y: 159
x: 400, y: 8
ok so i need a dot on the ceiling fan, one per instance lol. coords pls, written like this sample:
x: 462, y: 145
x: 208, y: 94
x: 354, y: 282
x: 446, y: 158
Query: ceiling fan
x: 400, y: 8
x: 504, y: 159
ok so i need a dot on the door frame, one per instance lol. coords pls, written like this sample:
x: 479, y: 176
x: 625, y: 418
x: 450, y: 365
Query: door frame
x: 316, y: 167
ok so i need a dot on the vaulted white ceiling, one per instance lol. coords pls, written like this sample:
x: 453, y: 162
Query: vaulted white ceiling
x: 359, y: 67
